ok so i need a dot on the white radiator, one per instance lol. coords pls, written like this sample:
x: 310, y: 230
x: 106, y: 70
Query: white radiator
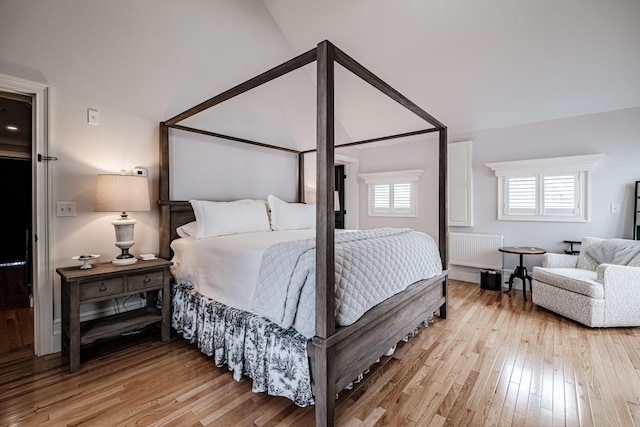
x: 475, y: 250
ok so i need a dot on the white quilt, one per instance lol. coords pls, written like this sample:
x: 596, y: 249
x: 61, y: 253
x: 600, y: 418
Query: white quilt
x: 371, y: 266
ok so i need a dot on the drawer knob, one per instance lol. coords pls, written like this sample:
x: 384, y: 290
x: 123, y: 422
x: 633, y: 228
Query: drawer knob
x: 103, y: 288
x: 147, y: 279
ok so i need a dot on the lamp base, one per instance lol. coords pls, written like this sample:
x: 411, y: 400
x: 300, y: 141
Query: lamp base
x: 124, y: 261
x: 124, y: 240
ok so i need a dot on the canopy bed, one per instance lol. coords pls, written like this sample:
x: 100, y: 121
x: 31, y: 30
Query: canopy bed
x: 336, y: 354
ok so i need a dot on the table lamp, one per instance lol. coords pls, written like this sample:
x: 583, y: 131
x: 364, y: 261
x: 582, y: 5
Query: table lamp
x: 123, y: 193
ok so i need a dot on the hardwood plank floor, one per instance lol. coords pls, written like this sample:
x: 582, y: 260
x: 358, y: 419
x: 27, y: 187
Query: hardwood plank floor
x: 16, y: 329
x: 496, y: 360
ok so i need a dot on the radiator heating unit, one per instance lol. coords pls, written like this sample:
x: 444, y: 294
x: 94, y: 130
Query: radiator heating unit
x: 476, y: 250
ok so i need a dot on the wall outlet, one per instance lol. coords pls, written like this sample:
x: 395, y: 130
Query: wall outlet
x: 65, y: 208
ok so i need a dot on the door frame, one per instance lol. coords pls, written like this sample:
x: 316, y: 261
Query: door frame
x: 42, y: 277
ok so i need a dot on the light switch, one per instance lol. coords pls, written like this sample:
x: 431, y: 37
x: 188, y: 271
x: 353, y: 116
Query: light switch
x: 615, y: 208
x: 93, y: 117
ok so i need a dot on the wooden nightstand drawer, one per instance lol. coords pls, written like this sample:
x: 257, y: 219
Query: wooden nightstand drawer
x: 101, y: 288
x: 138, y: 282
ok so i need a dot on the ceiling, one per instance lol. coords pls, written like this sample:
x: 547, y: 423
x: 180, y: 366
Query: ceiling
x: 476, y: 65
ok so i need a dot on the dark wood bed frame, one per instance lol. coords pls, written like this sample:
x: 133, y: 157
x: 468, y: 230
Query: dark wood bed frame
x: 337, y: 354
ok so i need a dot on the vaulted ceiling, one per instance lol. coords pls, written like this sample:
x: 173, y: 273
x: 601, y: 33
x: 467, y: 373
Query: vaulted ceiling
x: 475, y: 64
x: 472, y: 64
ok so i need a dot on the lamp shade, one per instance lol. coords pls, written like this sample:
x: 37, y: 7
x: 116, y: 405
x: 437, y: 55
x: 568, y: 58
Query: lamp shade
x: 122, y: 193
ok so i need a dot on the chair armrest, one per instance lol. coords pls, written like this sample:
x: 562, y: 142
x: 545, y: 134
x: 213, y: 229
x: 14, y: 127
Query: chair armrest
x: 621, y: 285
x: 552, y: 260
x: 619, y: 277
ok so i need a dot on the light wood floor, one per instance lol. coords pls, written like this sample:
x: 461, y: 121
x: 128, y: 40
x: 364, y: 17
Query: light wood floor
x: 495, y: 361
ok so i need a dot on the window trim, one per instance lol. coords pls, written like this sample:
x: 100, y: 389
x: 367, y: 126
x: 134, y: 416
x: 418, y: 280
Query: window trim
x: 538, y: 168
x: 390, y: 178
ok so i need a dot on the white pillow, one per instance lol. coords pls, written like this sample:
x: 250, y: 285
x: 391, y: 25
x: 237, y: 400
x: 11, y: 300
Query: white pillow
x: 223, y: 218
x: 291, y: 216
x: 187, y: 230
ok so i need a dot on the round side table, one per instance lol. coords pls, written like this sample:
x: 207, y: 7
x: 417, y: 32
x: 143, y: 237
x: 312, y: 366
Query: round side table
x: 521, y: 270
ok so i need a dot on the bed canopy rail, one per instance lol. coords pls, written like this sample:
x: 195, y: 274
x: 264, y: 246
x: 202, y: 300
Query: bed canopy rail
x: 328, y: 345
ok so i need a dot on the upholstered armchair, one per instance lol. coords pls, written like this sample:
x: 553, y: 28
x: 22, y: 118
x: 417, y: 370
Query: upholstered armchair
x: 597, y: 294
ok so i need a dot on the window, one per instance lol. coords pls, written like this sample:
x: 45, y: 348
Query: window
x: 554, y: 189
x: 393, y: 193
x: 544, y: 195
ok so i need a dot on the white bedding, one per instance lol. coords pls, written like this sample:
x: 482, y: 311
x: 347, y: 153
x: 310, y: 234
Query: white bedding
x: 225, y: 268
x: 371, y: 265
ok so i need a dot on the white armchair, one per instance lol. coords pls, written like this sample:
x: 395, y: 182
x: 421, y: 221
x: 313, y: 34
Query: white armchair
x: 597, y: 295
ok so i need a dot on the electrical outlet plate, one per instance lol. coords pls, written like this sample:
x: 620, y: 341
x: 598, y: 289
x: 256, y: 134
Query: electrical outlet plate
x: 65, y: 208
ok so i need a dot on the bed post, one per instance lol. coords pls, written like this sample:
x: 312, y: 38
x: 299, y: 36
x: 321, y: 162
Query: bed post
x: 443, y: 202
x: 443, y: 226
x: 324, y: 375
x: 163, y: 193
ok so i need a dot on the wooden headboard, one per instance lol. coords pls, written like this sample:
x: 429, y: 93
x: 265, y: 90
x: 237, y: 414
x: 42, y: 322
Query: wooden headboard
x: 173, y: 214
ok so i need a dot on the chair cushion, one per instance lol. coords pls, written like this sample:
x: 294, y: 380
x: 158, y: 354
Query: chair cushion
x: 576, y: 280
x: 615, y: 251
x: 585, y: 262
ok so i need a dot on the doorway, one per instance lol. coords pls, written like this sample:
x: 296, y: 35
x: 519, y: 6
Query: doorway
x: 16, y: 261
x: 339, y: 200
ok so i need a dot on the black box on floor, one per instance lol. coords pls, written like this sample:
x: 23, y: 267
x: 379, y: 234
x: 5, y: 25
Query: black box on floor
x: 491, y: 279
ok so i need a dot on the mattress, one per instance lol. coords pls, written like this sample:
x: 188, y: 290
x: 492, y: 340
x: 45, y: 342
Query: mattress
x: 225, y: 268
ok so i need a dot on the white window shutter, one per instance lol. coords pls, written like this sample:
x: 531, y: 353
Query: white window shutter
x: 402, y: 197
x: 460, y: 184
x: 381, y: 197
x: 553, y: 189
x: 521, y: 195
x: 560, y: 193
x: 393, y: 193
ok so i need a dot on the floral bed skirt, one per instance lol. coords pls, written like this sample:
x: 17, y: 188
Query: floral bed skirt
x: 275, y: 359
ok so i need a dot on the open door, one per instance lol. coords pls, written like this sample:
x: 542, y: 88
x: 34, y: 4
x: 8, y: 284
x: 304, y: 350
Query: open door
x: 16, y: 190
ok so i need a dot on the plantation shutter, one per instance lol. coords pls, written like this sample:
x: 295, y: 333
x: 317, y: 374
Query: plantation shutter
x: 402, y: 197
x: 382, y: 198
x: 560, y: 194
x: 521, y: 196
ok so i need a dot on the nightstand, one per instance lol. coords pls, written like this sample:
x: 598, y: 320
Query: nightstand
x: 107, y: 281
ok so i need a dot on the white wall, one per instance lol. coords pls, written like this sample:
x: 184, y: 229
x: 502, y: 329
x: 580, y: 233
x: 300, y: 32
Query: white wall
x: 615, y: 133
x: 138, y: 63
x: 218, y: 169
x: 417, y: 154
